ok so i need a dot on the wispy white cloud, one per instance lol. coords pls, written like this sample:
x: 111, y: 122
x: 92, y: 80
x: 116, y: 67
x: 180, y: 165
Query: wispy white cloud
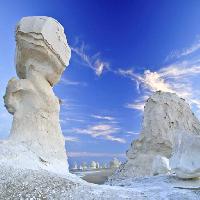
x: 133, y: 133
x: 104, y: 131
x: 184, y: 52
x: 109, y: 118
x: 66, y: 81
x: 176, y: 78
x: 69, y: 104
x: 135, y: 105
x: 66, y: 119
x: 71, y: 139
x: 98, y: 130
x: 139, y: 103
x: 95, y: 154
x: 94, y: 62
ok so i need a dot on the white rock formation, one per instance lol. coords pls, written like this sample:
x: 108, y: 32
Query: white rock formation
x: 160, y: 165
x: 105, y: 165
x: 84, y: 165
x: 31, y: 100
x: 163, y: 113
x: 185, y: 160
x: 93, y: 165
x: 36, y: 139
x: 115, y: 163
x: 97, y: 165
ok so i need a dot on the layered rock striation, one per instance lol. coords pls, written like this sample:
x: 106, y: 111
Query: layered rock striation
x: 36, y: 140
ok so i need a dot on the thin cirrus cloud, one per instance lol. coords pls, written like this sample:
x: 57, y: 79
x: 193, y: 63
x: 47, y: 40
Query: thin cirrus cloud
x: 175, y: 78
x: 133, y: 133
x: 71, y: 139
x: 103, y: 131
x: 184, y: 52
x: 66, y: 119
x: 178, y: 77
x: 109, y: 118
x: 66, y: 81
x: 94, y: 62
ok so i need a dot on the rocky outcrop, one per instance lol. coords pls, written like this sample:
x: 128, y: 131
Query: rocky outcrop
x: 115, y: 163
x: 36, y: 140
x: 160, y: 165
x: 93, y: 165
x: 185, y: 160
x: 163, y: 113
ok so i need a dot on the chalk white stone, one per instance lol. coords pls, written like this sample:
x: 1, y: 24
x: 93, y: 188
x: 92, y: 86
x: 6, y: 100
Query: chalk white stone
x: 115, y: 163
x: 185, y: 160
x: 42, y: 54
x: 44, y: 39
x: 84, y: 165
x: 97, y: 165
x: 160, y: 165
x: 93, y: 165
x: 163, y: 113
x: 105, y: 165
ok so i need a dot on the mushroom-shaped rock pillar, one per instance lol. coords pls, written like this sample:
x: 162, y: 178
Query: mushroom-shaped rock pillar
x: 42, y: 54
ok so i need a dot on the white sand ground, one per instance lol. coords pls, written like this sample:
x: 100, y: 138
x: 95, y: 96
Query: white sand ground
x: 30, y: 184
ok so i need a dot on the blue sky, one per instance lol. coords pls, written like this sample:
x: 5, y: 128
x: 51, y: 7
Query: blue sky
x: 122, y: 51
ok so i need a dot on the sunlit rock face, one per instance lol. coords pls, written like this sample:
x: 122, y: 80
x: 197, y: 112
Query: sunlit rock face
x: 42, y: 53
x: 163, y: 113
x: 185, y: 161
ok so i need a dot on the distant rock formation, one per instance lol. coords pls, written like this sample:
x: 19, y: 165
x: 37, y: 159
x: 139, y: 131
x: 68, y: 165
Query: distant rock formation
x: 115, y: 163
x: 163, y: 113
x: 97, y: 165
x: 185, y: 161
x: 93, y: 165
x: 84, y: 164
x: 105, y: 166
x: 81, y: 167
x: 36, y: 140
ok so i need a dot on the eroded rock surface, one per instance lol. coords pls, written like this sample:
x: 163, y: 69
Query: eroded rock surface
x: 36, y: 140
x: 185, y: 161
x: 163, y: 113
x: 160, y: 165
